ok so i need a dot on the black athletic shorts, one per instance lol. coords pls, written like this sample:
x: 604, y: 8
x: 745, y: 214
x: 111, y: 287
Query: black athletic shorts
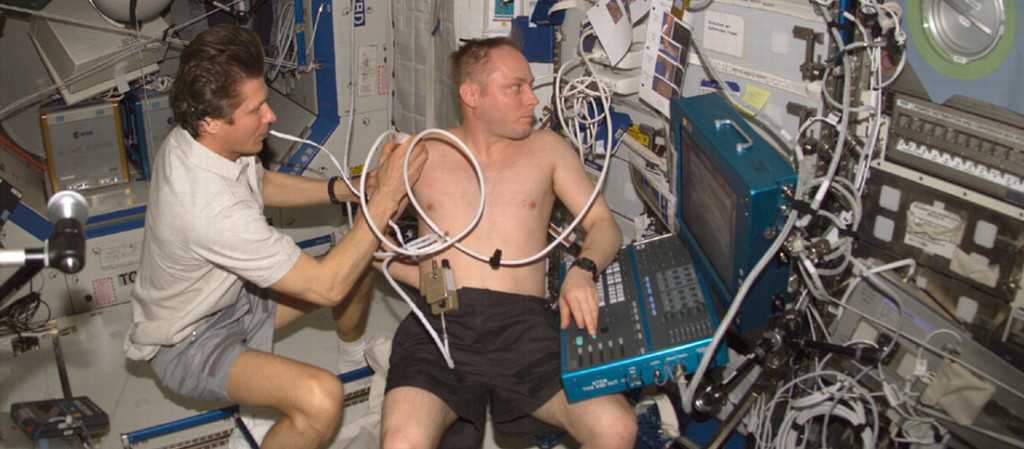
x: 505, y: 349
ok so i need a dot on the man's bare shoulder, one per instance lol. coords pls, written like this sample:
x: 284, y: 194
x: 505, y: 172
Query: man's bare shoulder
x: 548, y: 144
x: 439, y: 136
x: 555, y: 148
x: 547, y: 135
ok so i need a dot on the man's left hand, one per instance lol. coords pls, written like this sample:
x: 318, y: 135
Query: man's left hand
x: 578, y: 300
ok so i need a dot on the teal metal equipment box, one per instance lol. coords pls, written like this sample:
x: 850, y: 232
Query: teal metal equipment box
x: 734, y: 192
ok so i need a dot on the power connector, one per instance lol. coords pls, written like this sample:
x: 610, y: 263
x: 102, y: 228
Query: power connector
x: 621, y: 82
x: 398, y: 137
x: 633, y: 59
x: 24, y: 343
x: 645, y: 153
x: 892, y: 394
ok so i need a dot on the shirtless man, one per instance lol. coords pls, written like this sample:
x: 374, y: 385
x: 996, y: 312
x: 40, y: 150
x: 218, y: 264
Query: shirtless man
x: 503, y: 339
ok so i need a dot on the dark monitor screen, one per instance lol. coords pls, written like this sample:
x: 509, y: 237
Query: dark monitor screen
x: 708, y: 208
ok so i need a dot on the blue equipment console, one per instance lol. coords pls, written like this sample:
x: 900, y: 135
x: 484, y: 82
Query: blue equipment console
x: 734, y: 193
x: 655, y: 323
x: 148, y: 119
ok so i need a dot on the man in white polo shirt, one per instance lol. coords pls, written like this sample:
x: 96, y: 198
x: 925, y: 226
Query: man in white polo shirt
x: 216, y: 279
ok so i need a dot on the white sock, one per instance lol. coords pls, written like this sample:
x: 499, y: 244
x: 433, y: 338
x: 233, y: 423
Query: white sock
x: 352, y: 348
x: 351, y: 355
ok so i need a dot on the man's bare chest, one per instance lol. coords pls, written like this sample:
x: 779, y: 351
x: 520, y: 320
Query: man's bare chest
x: 513, y: 185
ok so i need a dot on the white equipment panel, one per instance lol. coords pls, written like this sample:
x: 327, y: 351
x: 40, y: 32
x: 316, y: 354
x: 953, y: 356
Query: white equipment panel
x: 759, y: 50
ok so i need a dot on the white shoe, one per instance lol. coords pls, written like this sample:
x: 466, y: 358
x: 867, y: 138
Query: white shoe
x: 258, y: 420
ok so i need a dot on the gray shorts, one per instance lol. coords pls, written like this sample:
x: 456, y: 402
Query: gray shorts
x: 198, y: 366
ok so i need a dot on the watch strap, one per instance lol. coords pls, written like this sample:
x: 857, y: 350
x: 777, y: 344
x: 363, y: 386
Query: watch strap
x: 586, y: 264
x: 330, y: 190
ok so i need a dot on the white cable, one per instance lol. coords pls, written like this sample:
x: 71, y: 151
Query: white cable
x: 568, y: 229
x: 455, y: 241
x: 898, y: 332
x: 871, y: 273
x: 815, y: 318
x: 284, y: 23
x: 442, y: 346
x: 816, y: 287
x: 344, y: 172
x: 894, y: 265
x: 709, y: 351
x: 815, y: 398
x: 412, y: 197
x: 804, y: 127
x: 141, y: 40
x: 844, y: 124
x: 423, y: 245
x: 875, y: 119
x: 137, y: 34
x: 312, y: 38
x: 854, y: 414
x: 787, y: 143
x: 437, y: 243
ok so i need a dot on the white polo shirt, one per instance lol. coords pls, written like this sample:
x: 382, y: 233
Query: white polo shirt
x: 205, y: 235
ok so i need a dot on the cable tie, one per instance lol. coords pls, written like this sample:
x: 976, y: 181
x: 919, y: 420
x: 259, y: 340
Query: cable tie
x: 495, y: 260
x: 847, y: 233
x: 803, y: 207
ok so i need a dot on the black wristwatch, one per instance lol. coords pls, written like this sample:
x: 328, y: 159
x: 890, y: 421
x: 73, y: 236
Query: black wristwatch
x: 330, y: 190
x: 586, y: 264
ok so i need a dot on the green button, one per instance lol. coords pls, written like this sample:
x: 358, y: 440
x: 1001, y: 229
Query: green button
x: 579, y: 340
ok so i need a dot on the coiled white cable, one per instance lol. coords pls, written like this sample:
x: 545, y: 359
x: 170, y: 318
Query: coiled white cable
x: 444, y: 242
x: 454, y: 241
x: 424, y: 245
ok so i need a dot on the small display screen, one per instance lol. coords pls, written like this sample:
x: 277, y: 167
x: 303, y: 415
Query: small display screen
x: 708, y: 208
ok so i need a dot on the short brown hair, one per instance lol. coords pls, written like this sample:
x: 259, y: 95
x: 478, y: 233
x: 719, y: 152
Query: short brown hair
x: 467, y: 60
x: 211, y: 72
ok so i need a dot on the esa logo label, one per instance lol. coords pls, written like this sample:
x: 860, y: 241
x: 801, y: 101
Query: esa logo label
x: 358, y: 13
x: 80, y: 134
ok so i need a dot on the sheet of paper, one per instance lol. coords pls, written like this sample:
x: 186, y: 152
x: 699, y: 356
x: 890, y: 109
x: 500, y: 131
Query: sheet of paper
x: 723, y: 33
x: 636, y: 9
x: 613, y: 26
x: 499, y: 17
x: 664, y: 62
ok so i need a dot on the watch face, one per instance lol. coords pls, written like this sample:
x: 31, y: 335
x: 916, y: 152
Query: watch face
x: 963, y: 39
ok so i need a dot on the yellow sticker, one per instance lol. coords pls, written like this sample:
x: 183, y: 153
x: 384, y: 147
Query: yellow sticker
x: 634, y: 131
x: 756, y: 96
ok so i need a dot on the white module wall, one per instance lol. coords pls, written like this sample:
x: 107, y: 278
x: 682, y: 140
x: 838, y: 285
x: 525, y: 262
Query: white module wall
x: 424, y: 37
x: 758, y: 48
